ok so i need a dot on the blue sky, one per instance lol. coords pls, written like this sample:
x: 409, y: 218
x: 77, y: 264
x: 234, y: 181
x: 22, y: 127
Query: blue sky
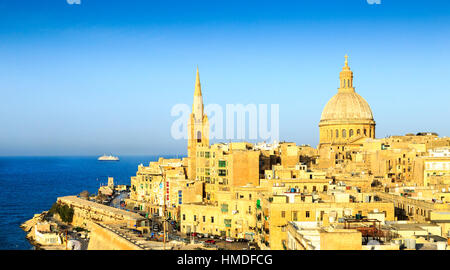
x: 102, y: 76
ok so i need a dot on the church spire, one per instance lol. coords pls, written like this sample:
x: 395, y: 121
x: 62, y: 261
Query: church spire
x: 198, y: 87
x: 197, y: 105
x: 346, y: 78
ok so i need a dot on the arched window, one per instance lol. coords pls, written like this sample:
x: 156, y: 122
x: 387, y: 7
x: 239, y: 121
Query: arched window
x: 337, y: 133
x: 370, y: 133
x: 350, y: 133
x: 344, y: 133
x: 199, y: 136
x: 365, y: 132
x: 358, y: 132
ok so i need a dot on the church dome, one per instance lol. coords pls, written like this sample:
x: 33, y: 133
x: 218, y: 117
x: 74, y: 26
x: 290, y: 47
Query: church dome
x: 346, y: 106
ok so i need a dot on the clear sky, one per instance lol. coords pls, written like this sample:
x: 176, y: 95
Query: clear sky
x: 102, y: 76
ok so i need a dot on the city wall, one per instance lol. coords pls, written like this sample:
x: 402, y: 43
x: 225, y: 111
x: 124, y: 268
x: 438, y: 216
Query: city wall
x: 104, y: 239
x: 86, y: 211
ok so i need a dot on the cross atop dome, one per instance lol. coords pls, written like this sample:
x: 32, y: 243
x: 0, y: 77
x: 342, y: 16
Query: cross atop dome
x: 346, y: 77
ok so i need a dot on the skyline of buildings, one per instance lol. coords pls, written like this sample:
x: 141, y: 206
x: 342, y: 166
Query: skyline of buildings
x: 353, y: 192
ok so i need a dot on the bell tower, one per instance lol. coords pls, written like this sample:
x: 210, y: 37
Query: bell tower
x: 198, y: 129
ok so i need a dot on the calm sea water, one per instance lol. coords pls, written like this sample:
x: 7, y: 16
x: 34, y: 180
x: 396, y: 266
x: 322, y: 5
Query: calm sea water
x: 30, y: 185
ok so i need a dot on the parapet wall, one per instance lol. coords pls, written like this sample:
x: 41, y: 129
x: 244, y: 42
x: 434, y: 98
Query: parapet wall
x: 104, y: 239
x: 86, y: 211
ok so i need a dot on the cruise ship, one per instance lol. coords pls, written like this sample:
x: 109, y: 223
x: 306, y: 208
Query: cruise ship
x: 108, y: 158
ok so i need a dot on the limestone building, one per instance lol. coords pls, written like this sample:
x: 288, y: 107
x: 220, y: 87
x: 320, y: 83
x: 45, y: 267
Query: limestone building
x: 198, y: 128
x: 347, y: 117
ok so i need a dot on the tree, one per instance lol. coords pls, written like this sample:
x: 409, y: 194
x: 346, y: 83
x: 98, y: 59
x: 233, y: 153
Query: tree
x: 64, y: 211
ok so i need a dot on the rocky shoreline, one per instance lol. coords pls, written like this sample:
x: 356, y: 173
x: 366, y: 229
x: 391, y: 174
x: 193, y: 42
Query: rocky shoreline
x: 28, y: 227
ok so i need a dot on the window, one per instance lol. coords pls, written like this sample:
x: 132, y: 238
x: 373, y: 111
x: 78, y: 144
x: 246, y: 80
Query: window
x: 212, y: 219
x: 204, y: 219
x: 344, y: 133
x: 350, y: 133
x: 222, y: 172
x: 195, y: 218
x: 222, y: 163
x: 199, y: 136
x: 283, y: 214
x: 307, y: 214
x: 224, y: 208
x: 206, y: 154
x: 294, y: 215
x: 337, y: 133
x: 184, y: 217
x: 358, y: 132
x: 227, y: 222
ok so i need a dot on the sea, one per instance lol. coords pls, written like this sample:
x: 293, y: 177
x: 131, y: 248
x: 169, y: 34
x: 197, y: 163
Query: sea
x: 30, y: 185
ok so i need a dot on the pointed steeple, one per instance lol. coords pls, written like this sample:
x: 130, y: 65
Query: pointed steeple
x: 198, y: 129
x: 198, y: 87
x: 197, y: 105
x: 346, y: 78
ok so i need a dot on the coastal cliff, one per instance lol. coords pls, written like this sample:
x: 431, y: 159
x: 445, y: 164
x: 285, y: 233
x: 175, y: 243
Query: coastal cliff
x: 28, y: 227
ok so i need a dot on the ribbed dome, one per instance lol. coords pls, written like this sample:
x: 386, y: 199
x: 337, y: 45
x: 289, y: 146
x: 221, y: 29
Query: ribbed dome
x: 347, y: 106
